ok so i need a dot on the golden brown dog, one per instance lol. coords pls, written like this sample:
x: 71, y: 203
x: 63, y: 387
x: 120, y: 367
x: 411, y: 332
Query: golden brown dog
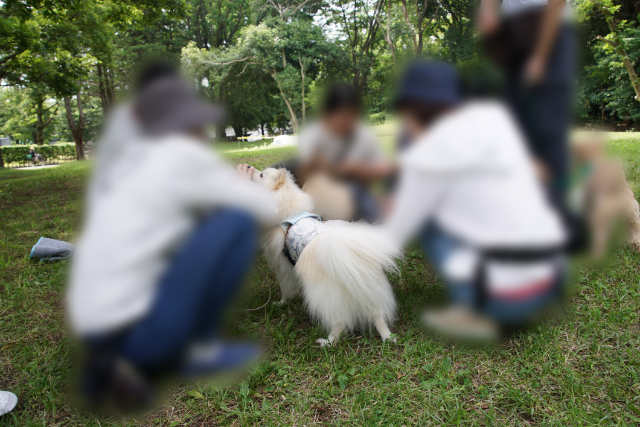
x: 604, y: 194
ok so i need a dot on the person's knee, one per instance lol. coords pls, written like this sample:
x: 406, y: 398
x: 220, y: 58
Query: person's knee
x: 236, y: 223
x: 241, y: 224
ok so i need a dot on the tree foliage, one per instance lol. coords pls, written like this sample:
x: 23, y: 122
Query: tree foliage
x: 64, y: 63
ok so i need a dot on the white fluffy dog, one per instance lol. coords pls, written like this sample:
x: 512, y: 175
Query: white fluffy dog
x: 340, y: 271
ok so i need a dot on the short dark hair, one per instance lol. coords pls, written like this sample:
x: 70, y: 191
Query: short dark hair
x: 154, y: 70
x: 425, y: 113
x: 340, y: 95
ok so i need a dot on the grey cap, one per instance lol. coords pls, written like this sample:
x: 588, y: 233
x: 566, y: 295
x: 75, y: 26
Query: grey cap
x: 170, y: 105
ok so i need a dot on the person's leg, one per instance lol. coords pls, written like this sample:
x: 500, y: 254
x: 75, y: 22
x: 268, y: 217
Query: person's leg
x: 550, y: 133
x: 194, y: 292
x: 366, y: 205
x: 464, y: 318
x: 511, y: 312
x: 439, y: 246
x: 549, y: 107
x: 459, y: 319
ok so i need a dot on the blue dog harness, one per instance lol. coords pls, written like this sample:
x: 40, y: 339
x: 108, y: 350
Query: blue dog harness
x: 299, y: 231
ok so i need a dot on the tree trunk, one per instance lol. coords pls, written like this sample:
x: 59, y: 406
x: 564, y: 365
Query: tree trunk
x: 238, y: 131
x: 102, y: 89
x: 221, y: 126
x: 111, y: 97
x: 389, y: 41
x: 1, y: 161
x: 622, y: 52
x: 77, y: 129
x: 39, y: 123
x: 292, y: 114
x: 220, y: 132
x: 408, y: 21
x: 304, y: 108
x: 602, y: 106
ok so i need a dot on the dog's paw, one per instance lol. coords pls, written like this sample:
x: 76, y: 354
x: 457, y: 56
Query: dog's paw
x: 393, y: 339
x: 323, y: 342
x: 281, y: 302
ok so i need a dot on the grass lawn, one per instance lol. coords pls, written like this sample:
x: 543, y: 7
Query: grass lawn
x: 583, y: 370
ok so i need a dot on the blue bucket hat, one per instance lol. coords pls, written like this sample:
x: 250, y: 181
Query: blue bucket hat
x: 430, y: 82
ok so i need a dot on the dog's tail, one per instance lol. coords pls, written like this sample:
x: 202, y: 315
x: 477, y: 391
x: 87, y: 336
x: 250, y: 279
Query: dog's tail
x: 348, y: 262
x: 357, y: 245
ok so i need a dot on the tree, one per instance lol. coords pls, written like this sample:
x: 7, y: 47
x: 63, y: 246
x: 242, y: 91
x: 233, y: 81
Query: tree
x: 44, y: 115
x: 77, y: 127
x: 425, y: 13
x: 17, y: 118
x: 215, y: 23
x: 289, y: 54
x: 359, y: 24
x: 608, y: 63
x: 619, y: 37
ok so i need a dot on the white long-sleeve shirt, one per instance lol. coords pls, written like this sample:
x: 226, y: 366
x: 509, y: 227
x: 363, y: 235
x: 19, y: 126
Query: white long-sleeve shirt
x: 135, y: 227
x: 120, y: 129
x: 472, y: 175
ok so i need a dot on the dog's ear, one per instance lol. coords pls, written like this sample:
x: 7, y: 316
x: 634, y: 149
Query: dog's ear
x: 282, y: 179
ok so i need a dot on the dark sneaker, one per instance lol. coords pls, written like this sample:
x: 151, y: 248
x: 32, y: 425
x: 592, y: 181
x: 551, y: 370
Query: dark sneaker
x: 111, y: 384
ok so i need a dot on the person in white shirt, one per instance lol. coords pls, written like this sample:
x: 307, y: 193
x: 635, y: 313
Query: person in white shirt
x: 164, y: 250
x: 121, y: 128
x: 468, y: 191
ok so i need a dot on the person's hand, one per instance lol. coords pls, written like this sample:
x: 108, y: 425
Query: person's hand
x: 534, y: 71
x: 245, y: 171
x: 542, y: 172
x: 488, y: 21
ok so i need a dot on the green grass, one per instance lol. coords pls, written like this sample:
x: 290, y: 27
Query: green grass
x: 582, y: 370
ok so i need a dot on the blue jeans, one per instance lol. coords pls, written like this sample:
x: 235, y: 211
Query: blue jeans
x: 366, y: 205
x: 440, y: 245
x: 192, y: 295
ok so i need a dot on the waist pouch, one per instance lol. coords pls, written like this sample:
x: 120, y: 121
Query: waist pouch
x: 543, y: 265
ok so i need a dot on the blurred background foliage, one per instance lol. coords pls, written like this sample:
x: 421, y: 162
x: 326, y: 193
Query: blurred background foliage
x: 65, y: 63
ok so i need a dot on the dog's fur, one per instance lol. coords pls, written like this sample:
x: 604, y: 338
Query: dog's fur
x: 332, y: 199
x: 341, y: 272
x: 607, y: 195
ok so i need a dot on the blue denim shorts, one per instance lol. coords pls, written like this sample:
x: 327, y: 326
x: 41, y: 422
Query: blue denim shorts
x: 440, y: 245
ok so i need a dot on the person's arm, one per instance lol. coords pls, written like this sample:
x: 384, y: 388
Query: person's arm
x: 219, y: 185
x: 369, y: 162
x: 536, y: 67
x: 364, y: 172
x: 415, y: 203
x: 488, y: 17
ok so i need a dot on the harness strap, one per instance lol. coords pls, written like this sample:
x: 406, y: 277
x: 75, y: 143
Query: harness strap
x: 285, y: 251
x: 286, y: 226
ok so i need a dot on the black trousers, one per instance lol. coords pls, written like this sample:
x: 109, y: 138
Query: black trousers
x: 544, y: 112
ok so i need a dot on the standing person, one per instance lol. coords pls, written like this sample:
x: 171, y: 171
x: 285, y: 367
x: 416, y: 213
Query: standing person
x: 467, y: 190
x: 164, y: 251
x: 534, y: 42
x: 341, y: 146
